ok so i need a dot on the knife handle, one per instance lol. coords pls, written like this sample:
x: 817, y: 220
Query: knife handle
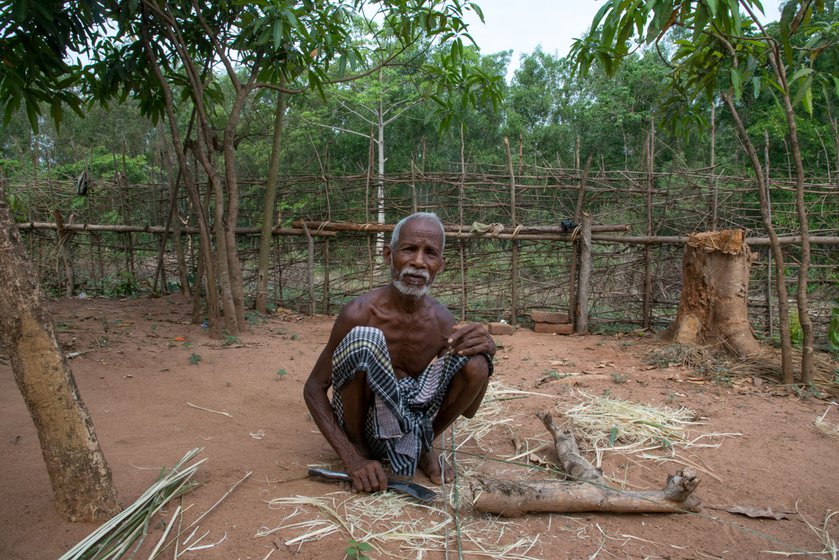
x: 332, y: 475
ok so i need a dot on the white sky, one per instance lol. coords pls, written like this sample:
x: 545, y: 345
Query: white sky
x: 521, y: 25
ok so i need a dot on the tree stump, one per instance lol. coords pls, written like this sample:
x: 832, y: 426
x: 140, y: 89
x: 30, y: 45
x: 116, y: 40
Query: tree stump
x: 713, y: 308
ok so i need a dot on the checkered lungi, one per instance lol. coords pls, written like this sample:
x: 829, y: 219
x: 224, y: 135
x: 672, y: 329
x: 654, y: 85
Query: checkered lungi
x: 398, y: 426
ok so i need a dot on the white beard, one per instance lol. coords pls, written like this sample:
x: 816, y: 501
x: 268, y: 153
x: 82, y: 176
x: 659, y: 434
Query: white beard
x: 412, y: 291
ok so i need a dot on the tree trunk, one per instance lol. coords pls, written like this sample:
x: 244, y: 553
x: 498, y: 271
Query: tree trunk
x: 807, y: 336
x: 66, y: 252
x: 268, y: 209
x: 777, y: 253
x: 204, y: 236
x: 80, y: 476
x: 234, y: 265
x: 715, y: 286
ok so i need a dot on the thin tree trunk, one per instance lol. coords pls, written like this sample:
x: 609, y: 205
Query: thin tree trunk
x: 234, y: 265
x: 172, y: 220
x: 769, y: 329
x: 585, y: 275
x: 380, y: 187
x: 777, y: 252
x: 325, y: 304
x: 79, y: 474
x: 714, y: 187
x: 204, y: 237
x: 460, y: 244
x: 807, y: 335
x: 66, y: 253
x: 514, y: 255
x: 648, y: 277
x: 268, y: 207
x: 575, y: 248
x: 310, y: 269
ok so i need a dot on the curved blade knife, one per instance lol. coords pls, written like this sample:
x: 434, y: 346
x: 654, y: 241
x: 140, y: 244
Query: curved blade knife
x: 412, y: 489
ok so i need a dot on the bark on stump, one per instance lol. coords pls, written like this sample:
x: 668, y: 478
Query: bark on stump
x: 713, y: 308
x: 589, y: 492
x: 80, y: 476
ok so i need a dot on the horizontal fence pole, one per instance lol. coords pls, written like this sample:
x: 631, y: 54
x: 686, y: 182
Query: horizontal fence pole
x: 488, y: 230
x: 680, y: 239
x: 116, y: 228
x: 330, y: 229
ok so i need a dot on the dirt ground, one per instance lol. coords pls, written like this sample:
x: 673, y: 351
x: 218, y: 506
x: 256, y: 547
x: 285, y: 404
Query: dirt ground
x: 144, y: 371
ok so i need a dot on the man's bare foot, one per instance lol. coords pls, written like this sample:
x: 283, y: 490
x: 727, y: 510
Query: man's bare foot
x: 429, y: 463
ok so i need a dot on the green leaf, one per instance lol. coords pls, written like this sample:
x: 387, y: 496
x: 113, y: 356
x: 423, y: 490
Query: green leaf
x: 737, y: 83
x: 278, y: 33
x: 801, y: 72
x: 805, y: 95
x: 808, y: 99
x: 32, y: 113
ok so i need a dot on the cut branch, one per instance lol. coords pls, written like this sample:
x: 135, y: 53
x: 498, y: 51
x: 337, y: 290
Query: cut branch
x: 588, y: 492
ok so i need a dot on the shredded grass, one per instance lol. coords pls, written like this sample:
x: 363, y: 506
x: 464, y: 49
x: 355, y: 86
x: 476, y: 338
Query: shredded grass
x: 830, y: 546
x: 825, y: 427
x: 492, y: 414
x: 394, y: 526
x: 610, y: 424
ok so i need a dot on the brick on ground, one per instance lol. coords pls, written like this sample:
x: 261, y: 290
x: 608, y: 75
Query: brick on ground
x: 549, y: 317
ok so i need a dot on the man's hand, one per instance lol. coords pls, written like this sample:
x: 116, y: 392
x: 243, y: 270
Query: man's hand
x: 367, y: 475
x: 471, y: 339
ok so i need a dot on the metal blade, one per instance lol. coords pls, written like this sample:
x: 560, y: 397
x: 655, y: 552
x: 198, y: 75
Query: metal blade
x: 412, y: 489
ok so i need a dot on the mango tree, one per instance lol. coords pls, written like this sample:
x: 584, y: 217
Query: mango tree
x: 721, y: 51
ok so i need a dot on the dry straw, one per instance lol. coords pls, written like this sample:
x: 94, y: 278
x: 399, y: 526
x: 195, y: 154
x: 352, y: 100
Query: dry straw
x: 826, y: 427
x: 394, y: 526
x: 610, y: 424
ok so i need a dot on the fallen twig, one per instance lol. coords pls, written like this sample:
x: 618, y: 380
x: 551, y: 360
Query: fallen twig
x: 209, y: 410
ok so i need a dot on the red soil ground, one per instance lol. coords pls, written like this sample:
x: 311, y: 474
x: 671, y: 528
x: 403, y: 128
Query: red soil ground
x: 136, y: 377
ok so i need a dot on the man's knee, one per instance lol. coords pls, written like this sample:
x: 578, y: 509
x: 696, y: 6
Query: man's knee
x: 476, y: 371
x: 475, y: 379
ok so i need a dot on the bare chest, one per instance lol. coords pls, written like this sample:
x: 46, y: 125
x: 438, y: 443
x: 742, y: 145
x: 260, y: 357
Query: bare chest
x: 412, y: 345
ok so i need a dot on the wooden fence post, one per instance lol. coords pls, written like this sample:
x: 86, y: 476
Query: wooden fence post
x: 325, y: 303
x: 648, y: 272
x: 460, y: 242
x: 310, y: 269
x: 770, y: 330
x: 514, y: 256
x: 66, y: 253
x: 578, y: 212
x: 585, y: 275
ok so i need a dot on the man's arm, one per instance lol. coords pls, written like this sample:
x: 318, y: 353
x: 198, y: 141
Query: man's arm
x: 367, y: 475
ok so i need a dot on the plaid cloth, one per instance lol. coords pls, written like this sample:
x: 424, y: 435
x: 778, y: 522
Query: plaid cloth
x: 398, y: 427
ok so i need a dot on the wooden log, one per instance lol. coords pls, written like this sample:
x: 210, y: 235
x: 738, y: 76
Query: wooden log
x: 513, y: 499
x: 587, y: 492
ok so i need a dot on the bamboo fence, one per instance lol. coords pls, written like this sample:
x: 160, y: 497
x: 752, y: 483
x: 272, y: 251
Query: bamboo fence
x: 507, y: 253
